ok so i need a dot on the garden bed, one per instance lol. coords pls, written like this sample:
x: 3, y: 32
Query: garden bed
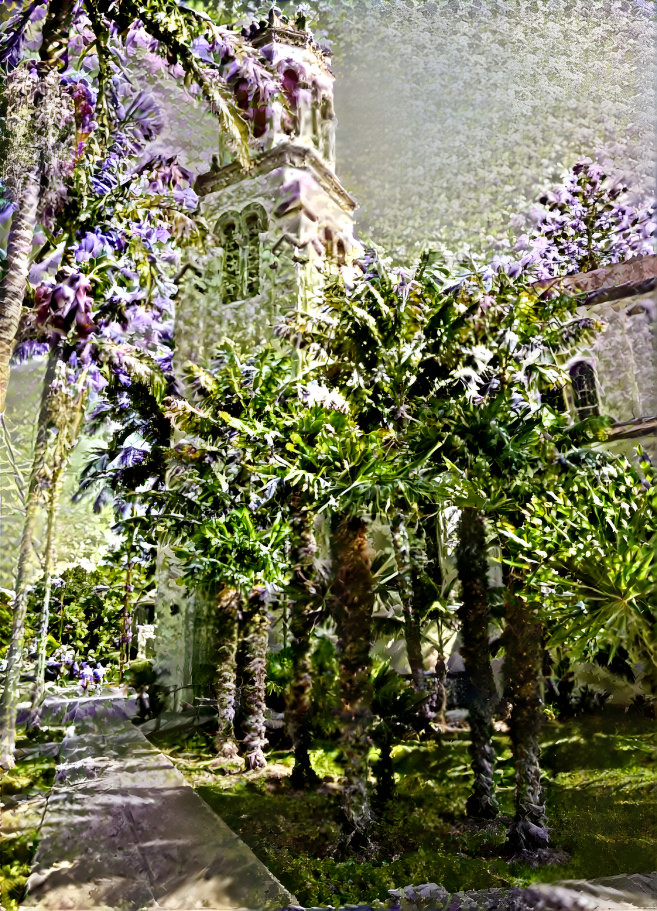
x: 601, y: 794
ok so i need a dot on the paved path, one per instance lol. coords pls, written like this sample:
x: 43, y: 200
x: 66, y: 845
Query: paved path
x: 611, y: 893
x: 124, y: 831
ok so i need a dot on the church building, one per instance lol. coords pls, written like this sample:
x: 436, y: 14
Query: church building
x: 277, y: 229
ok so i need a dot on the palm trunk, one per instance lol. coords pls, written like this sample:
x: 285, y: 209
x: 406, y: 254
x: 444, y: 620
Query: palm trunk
x: 523, y: 665
x: 254, y: 678
x: 353, y: 604
x: 427, y: 586
x: 14, y: 282
x: 474, y: 614
x: 411, y: 606
x: 304, y: 597
x: 229, y: 604
x: 10, y: 693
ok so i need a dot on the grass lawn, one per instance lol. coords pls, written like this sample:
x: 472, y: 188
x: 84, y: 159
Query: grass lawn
x: 601, y: 780
x: 23, y: 793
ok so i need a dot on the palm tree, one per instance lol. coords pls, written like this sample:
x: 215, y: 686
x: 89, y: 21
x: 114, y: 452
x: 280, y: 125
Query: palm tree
x: 523, y: 637
x: 352, y: 604
x: 306, y: 597
x: 474, y: 614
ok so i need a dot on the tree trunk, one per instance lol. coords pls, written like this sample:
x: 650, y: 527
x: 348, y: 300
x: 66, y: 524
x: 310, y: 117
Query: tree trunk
x: 254, y: 678
x: 352, y: 599
x: 411, y: 591
x: 14, y: 281
x: 38, y: 693
x: 523, y: 663
x: 474, y: 614
x: 229, y: 604
x: 10, y: 693
x: 427, y: 586
x: 305, y: 602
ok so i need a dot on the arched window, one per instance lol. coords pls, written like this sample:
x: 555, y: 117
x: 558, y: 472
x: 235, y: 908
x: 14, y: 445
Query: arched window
x: 255, y: 221
x: 329, y: 243
x: 327, y: 129
x: 290, y: 85
x: 239, y: 235
x: 231, y: 284
x: 585, y: 393
x: 340, y: 252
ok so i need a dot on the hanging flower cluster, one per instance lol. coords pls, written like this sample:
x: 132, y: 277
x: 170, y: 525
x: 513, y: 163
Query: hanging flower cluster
x: 113, y: 225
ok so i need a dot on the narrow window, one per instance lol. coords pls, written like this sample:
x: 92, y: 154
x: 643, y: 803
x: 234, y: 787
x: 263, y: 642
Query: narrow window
x: 317, y: 129
x: 231, y: 276
x: 340, y: 252
x: 290, y: 84
x: 252, y: 225
x: 327, y: 129
x: 585, y: 394
x: 329, y: 243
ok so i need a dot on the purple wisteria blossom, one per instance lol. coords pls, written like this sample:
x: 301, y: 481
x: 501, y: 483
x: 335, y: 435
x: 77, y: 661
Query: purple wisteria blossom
x: 583, y: 224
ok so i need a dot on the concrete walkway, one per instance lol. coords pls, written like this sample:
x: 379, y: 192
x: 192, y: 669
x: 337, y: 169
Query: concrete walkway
x: 124, y: 831
x: 611, y: 893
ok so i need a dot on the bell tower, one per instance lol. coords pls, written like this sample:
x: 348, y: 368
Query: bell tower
x: 276, y: 231
x: 277, y: 228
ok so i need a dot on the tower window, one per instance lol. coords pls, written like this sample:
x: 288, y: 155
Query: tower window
x: 240, y: 241
x: 327, y: 129
x: 585, y: 393
x: 329, y: 243
x: 290, y: 84
x: 316, y: 118
x: 255, y: 221
x: 231, y: 265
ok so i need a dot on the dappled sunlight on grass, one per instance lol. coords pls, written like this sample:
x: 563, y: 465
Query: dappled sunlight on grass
x: 601, y: 794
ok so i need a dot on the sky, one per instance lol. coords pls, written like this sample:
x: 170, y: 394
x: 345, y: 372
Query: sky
x: 455, y: 115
